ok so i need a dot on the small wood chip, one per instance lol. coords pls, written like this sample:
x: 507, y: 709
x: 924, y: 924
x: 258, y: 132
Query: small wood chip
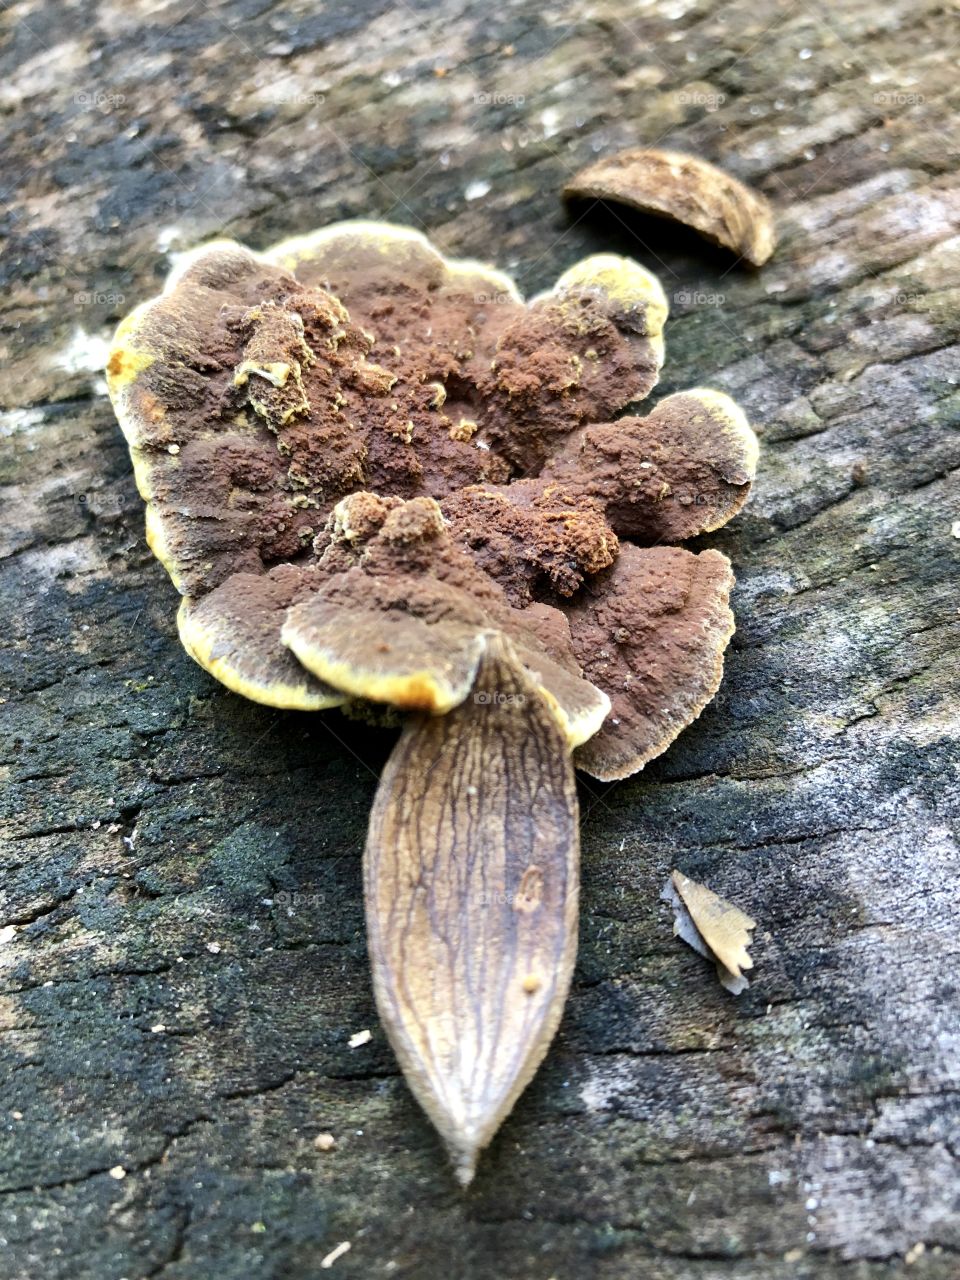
x: 686, y: 189
x: 713, y: 927
x: 359, y: 1038
x: 343, y: 1247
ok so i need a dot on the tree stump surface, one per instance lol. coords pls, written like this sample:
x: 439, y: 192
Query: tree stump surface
x: 182, y: 947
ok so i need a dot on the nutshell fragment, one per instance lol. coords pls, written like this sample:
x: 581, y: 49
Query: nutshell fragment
x: 685, y: 189
x: 713, y: 927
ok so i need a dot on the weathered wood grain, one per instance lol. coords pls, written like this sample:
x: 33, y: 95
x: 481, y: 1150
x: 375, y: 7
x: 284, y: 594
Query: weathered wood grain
x: 181, y: 869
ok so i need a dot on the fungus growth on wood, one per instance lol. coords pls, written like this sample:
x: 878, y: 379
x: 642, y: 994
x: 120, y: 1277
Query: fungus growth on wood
x: 378, y: 476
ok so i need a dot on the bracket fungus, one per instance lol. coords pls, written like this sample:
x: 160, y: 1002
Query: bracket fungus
x: 378, y: 477
x: 683, y: 188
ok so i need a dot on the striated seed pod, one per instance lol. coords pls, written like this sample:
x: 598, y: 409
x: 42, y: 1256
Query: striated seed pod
x: 471, y: 880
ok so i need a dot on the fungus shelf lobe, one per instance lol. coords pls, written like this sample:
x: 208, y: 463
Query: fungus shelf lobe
x: 380, y: 479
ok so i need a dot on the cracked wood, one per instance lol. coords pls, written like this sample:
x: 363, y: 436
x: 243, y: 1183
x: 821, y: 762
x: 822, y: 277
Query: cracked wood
x: 818, y: 791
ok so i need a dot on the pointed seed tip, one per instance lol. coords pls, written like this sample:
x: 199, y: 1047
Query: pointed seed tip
x: 464, y: 1165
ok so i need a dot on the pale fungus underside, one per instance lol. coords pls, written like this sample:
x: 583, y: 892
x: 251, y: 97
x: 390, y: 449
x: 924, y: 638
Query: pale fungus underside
x: 378, y: 477
x: 686, y: 189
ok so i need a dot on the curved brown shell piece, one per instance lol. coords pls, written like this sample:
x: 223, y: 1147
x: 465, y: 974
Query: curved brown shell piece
x: 687, y: 189
x: 471, y: 885
x: 651, y: 633
x: 683, y: 470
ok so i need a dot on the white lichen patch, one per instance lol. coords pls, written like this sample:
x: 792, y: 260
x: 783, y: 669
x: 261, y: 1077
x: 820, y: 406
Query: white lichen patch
x: 167, y: 237
x: 19, y: 420
x: 85, y: 353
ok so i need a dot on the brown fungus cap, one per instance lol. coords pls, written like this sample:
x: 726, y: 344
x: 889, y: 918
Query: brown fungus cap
x: 686, y: 189
x: 296, y: 417
x: 381, y: 480
x: 403, y: 291
x: 532, y: 537
x: 255, y: 400
x: 579, y: 353
x: 252, y: 404
x: 651, y: 633
x: 234, y: 632
x: 514, y: 376
x: 685, y: 469
x: 408, y: 621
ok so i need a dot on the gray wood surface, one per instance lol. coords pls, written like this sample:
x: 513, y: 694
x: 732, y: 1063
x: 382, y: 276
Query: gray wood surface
x: 182, y: 953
